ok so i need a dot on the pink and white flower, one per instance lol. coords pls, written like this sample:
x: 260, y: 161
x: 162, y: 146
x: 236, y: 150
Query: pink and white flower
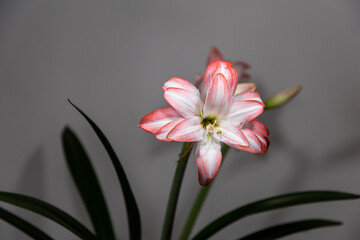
x: 216, y: 113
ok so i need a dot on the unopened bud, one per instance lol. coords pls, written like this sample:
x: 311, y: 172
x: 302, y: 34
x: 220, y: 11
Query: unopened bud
x: 282, y: 97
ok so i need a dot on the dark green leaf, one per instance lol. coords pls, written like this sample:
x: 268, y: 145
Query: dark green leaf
x: 283, y: 230
x: 131, y: 206
x: 46, y: 210
x: 87, y: 184
x: 23, y: 225
x: 281, y: 201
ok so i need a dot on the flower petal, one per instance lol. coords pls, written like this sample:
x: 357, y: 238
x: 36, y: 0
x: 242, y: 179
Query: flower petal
x: 164, y: 131
x: 249, y: 95
x: 255, y: 147
x: 218, y: 100
x: 232, y: 135
x: 208, y: 159
x: 244, y: 87
x: 261, y: 131
x: 216, y: 67
x: 214, y: 54
x: 185, y: 102
x: 189, y: 130
x: 158, y: 118
x: 176, y: 82
x: 244, y: 111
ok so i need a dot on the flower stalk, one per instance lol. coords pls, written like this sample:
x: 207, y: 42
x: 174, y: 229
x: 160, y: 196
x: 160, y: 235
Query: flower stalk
x: 198, y: 203
x: 175, y: 190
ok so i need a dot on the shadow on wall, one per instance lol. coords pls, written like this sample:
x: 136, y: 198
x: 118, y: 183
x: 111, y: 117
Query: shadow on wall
x: 31, y: 182
x: 303, y: 164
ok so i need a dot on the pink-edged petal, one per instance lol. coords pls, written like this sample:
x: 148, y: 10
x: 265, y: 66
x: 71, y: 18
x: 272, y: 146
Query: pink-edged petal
x: 218, y: 100
x: 245, y: 87
x: 232, y: 135
x: 244, y: 111
x: 261, y: 131
x: 185, y: 102
x: 214, y: 54
x: 208, y: 160
x: 176, y: 82
x: 250, y: 95
x: 189, y: 130
x: 164, y: 131
x: 158, y: 118
x: 216, y: 67
x: 255, y: 147
x: 235, y: 79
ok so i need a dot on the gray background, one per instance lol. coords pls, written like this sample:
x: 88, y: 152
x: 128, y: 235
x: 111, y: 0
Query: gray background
x: 111, y: 58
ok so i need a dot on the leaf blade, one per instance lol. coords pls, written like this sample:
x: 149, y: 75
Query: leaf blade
x: 132, y: 209
x: 87, y: 184
x: 49, y: 211
x: 282, y: 230
x: 23, y: 225
x: 272, y: 203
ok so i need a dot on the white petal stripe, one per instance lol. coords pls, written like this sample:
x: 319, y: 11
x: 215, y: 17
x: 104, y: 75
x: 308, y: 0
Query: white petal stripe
x: 176, y: 82
x: 232, y: 135
x: 189, y: 130
x: 218, y: 99
x: 164, y: 131
x: 255, y: 147
x: 158, y: 118
x: 186, y: 103
x: 208, y: 160
x: 249, y: 95
x: 245, y: 111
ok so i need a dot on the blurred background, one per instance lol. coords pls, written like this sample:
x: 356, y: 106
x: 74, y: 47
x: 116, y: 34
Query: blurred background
x: 112, y: 58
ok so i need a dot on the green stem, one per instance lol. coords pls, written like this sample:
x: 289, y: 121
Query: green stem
x: 175, y: 190
x: 198, y: 204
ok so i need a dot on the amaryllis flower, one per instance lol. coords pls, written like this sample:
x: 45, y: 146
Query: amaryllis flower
x: 210, y: 116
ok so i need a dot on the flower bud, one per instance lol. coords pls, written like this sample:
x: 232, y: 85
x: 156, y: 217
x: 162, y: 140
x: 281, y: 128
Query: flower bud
x: 282, y: 97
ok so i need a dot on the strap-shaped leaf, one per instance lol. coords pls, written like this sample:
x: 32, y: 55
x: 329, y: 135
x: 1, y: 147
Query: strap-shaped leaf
x: 23, y: 225
x: 49, y: 211
x: 286, y: 229
x: 268, y: 204
x: 87, y: 184
x: 132, y: 209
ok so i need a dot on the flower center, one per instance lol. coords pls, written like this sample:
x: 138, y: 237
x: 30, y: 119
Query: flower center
x: 211, y: 131
x: 209, y: 121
